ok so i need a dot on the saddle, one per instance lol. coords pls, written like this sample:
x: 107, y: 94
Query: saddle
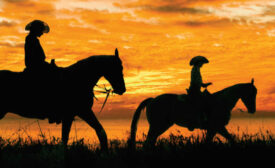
x: 45, y: 73
x: 46, y: 83
x: 199, y: 108
x: 205, y: 95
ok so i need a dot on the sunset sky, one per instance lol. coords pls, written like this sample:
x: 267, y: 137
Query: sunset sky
x: 156, y: 40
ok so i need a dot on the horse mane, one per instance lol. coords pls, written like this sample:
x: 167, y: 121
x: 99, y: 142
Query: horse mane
x: 92, y: 60
x: 239, y: 86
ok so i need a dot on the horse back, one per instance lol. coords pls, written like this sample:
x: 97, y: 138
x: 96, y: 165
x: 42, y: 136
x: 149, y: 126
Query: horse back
x: 9, y: 79
x: 161, y: 108
x: 9, y: 75
x: 165, y: 100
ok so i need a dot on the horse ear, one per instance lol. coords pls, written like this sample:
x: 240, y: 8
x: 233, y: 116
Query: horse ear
x: 116, y: 53
x: 252, y: 81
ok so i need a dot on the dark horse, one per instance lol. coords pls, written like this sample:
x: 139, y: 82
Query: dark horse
x: 168, y: 109
x: 69, y: 96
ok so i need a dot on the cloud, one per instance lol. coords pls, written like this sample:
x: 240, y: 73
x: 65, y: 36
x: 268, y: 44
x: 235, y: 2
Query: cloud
x: 95, y: 41
x: 249, y: 13
x: 6, y: 22
x: 272, y: 91
x: 174, y: 3
x: 127, y: 47
x: 1, y: 6
x: 15, y: 1
x: 46, y: 11
x: 243, y: 12
x: 9, y: 43
x: 84, y: 25
x: 135, y: 18
x: 180, y: 36
x: 270, y: 10
x: 166, y: 6
x: 271, y: 33
x: 76, y: 21
x: 217, y: 45
x: 96, y: 5
x: 176, y: 9
x: 214, y: 22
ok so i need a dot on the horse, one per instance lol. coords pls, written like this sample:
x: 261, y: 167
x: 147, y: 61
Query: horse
x: 69, y: 96
x: 166, y: 110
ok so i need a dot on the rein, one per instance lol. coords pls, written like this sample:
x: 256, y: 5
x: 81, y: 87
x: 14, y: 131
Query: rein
x: 107, y: 91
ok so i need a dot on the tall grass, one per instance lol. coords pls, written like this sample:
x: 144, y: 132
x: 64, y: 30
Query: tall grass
x: 168, y: 152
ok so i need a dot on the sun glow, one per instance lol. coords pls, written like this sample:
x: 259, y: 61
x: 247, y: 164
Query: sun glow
x: 156, y: 40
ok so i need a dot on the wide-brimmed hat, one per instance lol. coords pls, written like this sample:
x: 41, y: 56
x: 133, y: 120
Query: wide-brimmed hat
x: 38, y: 24
x: 198, y: 59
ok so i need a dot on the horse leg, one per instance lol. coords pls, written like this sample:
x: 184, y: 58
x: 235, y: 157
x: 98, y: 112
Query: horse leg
x: 223, y: 131
x: 66, y: 127
x: 154, y: 132
x: 91, y: 119
x: 2, y: 115
x: 210, y: 135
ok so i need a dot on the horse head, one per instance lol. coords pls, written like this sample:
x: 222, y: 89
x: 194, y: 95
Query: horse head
x: 249, y: 97
x: 114, y: 74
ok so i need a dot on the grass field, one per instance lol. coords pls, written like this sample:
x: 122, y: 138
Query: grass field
x: 174, y: 151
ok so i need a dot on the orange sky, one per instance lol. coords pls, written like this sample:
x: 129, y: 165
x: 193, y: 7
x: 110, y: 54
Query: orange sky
x: 156, y: 39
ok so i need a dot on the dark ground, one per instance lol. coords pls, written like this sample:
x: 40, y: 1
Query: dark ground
x: 175, y: 151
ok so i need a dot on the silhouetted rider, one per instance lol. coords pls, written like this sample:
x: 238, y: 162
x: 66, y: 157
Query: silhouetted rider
x: 38, y: 69
x: 34, y: 53
x: 194, y: 91
x: 196, y: 79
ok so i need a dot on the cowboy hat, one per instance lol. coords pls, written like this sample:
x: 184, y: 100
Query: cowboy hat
x: 38, y: 24
x: 198, y: 59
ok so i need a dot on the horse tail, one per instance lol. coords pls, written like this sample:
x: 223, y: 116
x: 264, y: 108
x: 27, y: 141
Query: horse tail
x: 132, y: 139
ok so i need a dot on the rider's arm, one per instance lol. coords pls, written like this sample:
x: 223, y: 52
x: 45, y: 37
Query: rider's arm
x: 206, y: 84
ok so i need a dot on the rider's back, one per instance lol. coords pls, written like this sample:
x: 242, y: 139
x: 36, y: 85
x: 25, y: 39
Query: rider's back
x: 34, y: 54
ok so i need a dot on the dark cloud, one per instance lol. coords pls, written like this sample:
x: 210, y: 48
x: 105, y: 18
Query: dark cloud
x: 272, y: 91
x: 176, y: 9
x: 166, y: 6
x: 46, y: 12
x: 220, y: 22
x: 188, y: 2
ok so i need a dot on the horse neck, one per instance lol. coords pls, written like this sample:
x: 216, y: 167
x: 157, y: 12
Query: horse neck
x: 230, y: 95
x: 87, y: 72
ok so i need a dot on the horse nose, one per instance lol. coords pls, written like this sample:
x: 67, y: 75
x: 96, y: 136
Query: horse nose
x: 121, y: 91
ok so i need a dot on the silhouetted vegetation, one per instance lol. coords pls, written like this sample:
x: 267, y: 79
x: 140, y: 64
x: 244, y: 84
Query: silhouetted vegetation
x: 168, y: 152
